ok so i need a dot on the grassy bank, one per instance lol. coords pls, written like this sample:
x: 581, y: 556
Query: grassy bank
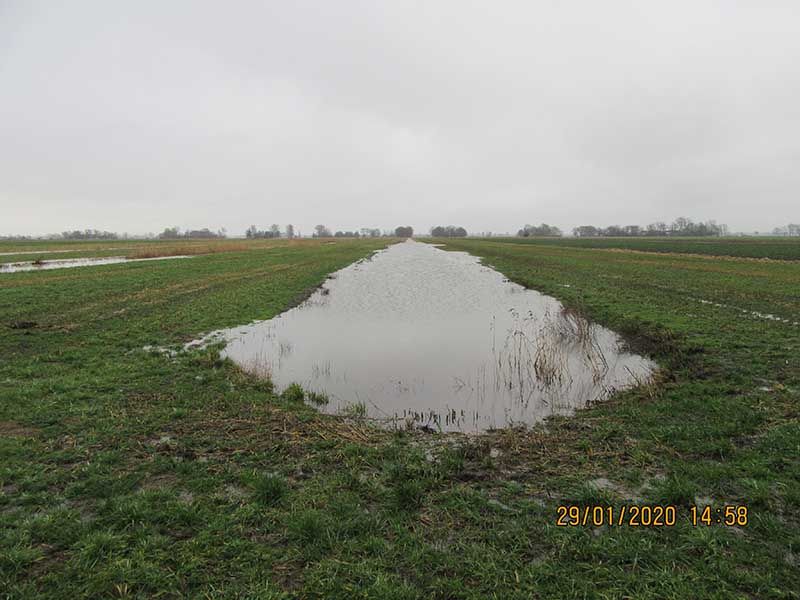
x: 127, y: 474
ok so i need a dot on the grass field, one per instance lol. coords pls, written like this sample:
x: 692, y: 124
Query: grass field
x: 126, y: 473
x: 779, y: 248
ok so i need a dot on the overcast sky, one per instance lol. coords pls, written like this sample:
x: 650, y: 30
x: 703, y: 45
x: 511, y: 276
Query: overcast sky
x: 139, y: 115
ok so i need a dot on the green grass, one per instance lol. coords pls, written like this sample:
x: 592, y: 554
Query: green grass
x: 782, y: 248
x: 126, y: 473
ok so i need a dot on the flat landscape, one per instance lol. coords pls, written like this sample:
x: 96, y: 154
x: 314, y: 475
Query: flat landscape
x: 778, y: 248
x: 132, y: 468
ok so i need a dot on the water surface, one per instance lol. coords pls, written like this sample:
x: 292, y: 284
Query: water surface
x: 66, y: 263
x: 54, y: 251
x: 418, y: 336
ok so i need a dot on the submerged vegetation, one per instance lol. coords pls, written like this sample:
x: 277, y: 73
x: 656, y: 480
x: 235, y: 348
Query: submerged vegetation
x: 128, y: 473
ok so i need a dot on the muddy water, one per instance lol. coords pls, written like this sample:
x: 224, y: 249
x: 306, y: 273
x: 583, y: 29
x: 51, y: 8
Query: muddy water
x: 417, y: 336
x: 66, y: 263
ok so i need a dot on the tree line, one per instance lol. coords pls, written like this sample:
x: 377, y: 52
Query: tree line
x: 543, y: 230
x: 89, y: 234
x: 682, y: 226
x: 175, y: 233
x: 792, y: 229
x: 274, y: 231
x: 448, y: 231
x: 321, y: 231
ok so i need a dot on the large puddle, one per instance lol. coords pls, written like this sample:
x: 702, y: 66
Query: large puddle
x: 66, y: 263
x: 418, y: 336
x: 84, y: 249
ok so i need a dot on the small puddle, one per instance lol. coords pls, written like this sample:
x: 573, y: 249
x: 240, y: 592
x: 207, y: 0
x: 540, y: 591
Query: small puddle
x: 67, y: 263
x: 418, y: 336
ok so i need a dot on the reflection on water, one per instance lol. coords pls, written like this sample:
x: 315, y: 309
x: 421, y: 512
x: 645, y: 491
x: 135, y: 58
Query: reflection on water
x: 65, y: 263
x: 421, y: 336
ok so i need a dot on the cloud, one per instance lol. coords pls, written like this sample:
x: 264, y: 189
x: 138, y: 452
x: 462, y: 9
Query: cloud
x: 376, y: 114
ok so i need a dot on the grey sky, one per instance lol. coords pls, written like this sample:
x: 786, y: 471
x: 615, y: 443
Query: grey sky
x: 139, y: 115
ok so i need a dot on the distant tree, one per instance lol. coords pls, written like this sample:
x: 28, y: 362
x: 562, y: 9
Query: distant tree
x: 404, y: 231
x: 681, y: 225
x: 632, y: 230
x: 613, y: 231
x: 539, y: 230
x: 586, y: 231
x: 275, y: 230
x: 289, y: 232
x: 448, y: 231
x: 204, y: 233
x: 687, y: 227
x: 170, y: 233
x: 369, y: 232
x: 251, y: 232
x: 657, y: 228
x: 793, y: 229
x: 89, y: 234
x: 320, y: 231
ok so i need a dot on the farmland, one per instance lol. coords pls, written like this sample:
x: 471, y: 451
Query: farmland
x: 778, y: 248
x: 131, y: 473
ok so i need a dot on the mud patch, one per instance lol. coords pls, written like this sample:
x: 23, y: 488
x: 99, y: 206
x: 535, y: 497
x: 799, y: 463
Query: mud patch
x: 14, y: 429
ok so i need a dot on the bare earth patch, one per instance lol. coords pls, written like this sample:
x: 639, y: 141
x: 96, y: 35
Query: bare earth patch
x: 14, y: 429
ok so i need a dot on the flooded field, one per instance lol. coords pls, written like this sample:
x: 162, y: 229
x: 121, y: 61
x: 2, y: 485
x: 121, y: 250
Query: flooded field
x: 20, y: 252
x: 422, y: 337
x: 66, y: 263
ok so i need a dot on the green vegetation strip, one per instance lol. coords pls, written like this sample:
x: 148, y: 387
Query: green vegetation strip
x: 775, y: 248
x: 125, y: 473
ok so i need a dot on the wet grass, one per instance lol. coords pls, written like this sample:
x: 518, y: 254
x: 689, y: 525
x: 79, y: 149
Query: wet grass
x: 126, y: 473
x: 779, y: 248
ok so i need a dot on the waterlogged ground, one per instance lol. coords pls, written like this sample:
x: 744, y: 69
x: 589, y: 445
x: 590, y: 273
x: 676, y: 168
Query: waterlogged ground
x: 66, y: 263
x: 420, y: 336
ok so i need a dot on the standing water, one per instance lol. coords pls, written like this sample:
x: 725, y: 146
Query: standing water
x: 418, y: 336
x: 68, y: 263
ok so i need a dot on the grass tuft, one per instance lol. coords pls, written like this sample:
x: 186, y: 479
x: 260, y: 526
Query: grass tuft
x: 270, y: 489
x: 294, y: 393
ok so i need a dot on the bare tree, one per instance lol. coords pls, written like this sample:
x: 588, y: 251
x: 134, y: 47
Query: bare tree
x: 657, y: 228
x: 320, y: 231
